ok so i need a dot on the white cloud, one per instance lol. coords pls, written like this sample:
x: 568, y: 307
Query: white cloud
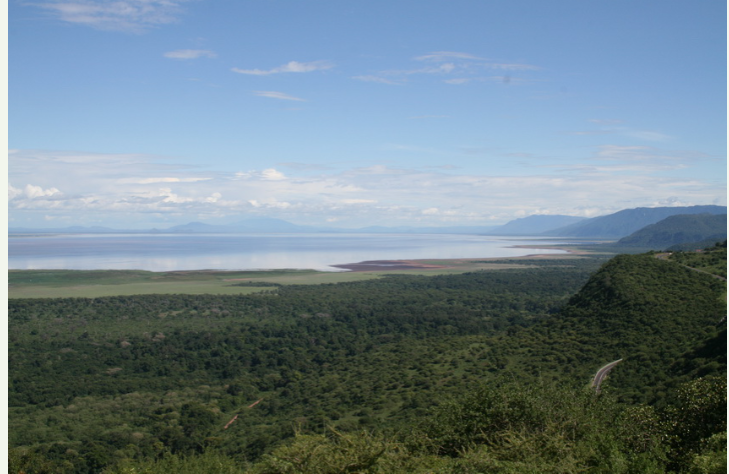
x: 95, y: 175
x: 159, y: 180
x: 269, y: 174
x: 269, y: 203
x: 671, y: 201
x: 277, y: 95
x: 13, y: 192
x: 116, y: 15
x: 169, y: 196
x: 292, y: 66
x: 190, y: 54
x: 378, y: 79
x: 215, y: 197
x: 31, y: 192
x: 272, y: 175
x: 36, y: 191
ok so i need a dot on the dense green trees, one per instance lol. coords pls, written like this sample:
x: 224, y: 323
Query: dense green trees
x: 511, y: 428
x: 303, y: 377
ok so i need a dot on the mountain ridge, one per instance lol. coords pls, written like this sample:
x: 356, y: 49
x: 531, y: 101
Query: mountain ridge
x: 677, y: 230
x: 536, y: 224
x: 623, y: 223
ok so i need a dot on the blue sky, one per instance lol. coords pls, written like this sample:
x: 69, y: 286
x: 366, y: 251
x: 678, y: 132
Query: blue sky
x: 151, y: 113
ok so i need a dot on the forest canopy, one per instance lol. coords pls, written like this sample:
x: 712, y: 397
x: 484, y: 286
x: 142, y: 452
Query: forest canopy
x: 478, y: 372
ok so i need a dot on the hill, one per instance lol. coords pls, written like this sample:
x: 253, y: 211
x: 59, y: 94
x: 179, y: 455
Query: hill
x: 625, y: 222
x: 679, y: 229
x: 535, y: 225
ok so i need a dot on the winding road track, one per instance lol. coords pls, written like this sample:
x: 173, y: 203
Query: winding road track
x: 602, y: 373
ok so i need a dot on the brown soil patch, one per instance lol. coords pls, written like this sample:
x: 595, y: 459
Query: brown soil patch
x: 389, y: 265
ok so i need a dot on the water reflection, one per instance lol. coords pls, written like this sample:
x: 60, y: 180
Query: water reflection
x: 169, y: 252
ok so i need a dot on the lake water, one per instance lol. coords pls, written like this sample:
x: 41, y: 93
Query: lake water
x: 169, y: 252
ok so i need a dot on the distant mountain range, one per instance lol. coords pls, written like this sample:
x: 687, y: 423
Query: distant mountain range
x: 535, y: 224
x: 613, y: 226
x: 623, y: 223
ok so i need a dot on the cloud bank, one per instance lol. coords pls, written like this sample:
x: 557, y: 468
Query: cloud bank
x: 108, y: 189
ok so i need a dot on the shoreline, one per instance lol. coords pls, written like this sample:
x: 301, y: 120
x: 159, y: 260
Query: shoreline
x: 425, y: 264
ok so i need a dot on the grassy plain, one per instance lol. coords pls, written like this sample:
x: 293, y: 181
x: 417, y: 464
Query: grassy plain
x: 97, y: 283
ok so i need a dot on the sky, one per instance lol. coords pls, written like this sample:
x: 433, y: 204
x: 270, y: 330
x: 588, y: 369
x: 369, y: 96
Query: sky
x: 154, y: 113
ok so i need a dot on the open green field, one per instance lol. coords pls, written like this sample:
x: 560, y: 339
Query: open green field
x: 97, y: 283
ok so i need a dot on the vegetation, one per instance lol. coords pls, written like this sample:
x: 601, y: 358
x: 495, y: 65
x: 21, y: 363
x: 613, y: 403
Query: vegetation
x: 99, y: 283
x: 712, y: 260
x: 484, y: 371
x: 678, y: 229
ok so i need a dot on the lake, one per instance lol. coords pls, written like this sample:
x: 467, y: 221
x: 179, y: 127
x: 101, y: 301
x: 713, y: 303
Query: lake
x: 170, y: 252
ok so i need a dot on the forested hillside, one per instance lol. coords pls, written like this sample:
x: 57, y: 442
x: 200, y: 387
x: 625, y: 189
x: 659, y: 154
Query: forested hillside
x: 679, y: 229
x: 482, y: 372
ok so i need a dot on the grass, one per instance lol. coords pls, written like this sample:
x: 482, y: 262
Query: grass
x: 98, y: 283
x: 93, y: 284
